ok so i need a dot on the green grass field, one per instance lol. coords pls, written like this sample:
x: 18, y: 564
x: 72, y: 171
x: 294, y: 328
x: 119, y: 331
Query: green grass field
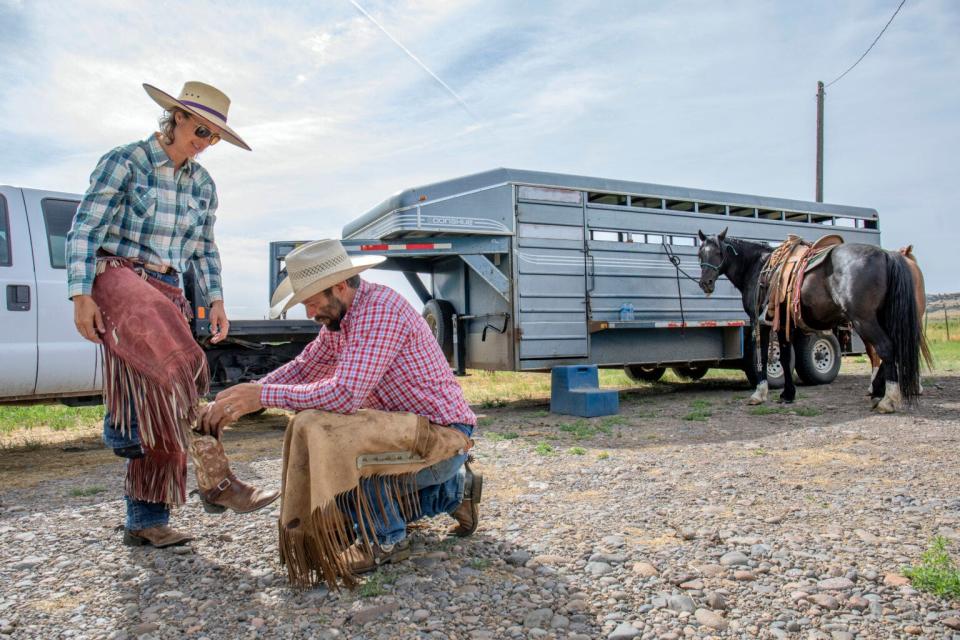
x: 483, y: 389
x: 48, y: 416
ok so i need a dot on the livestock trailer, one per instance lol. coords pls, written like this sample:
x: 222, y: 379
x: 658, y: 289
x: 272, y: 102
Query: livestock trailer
x: 529, y: 270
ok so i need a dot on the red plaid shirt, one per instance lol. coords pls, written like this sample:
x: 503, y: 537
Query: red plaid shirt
x: 384, y: 357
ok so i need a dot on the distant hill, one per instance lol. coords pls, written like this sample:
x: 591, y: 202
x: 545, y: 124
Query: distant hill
x: 936, y: 302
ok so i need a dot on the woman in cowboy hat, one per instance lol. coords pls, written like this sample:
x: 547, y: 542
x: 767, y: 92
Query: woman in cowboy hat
x: 147, y: 216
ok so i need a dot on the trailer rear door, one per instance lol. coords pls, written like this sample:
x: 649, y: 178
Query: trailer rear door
x: 551, y: 281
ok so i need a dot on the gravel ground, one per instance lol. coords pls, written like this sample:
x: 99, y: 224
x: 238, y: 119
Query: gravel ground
x: 686, y: 516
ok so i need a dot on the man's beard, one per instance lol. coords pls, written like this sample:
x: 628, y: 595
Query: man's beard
x: 334, y: 323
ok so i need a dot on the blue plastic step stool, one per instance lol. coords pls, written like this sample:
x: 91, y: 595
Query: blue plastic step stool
x: 575, y: 390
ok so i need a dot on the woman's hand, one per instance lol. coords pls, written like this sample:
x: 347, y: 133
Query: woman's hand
x: 88, y: 319
x: 219, y: 325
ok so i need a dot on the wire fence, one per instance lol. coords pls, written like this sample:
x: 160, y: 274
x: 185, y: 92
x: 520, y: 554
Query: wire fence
x: 941, y: 321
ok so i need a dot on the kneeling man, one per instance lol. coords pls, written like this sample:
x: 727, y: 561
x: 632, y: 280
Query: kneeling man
x: 374, y: 351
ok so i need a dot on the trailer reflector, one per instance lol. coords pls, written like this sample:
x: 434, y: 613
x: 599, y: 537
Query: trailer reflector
x: 410, y: 246
x: 700, y: 324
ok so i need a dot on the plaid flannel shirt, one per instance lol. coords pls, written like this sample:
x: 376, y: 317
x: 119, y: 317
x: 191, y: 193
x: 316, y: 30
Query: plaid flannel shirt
x: 139, y: 206
x: 384, y: 357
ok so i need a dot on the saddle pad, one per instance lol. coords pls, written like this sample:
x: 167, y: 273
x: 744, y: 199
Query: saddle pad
x: 817, y: 259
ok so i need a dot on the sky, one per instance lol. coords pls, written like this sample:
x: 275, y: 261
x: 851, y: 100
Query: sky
x: 711, y: 95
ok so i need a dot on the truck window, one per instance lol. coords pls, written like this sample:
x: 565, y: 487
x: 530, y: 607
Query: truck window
x: 57, y: 217
x: 4, y: 234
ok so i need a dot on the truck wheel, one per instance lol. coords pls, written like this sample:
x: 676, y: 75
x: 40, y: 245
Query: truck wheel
x: 694, y: 372
x: 775, y: 378
x: 439, y: 317
x: 643, y: 372
x: 818, y: 357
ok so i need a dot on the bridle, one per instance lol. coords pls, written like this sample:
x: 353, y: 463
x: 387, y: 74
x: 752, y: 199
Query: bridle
x: 723, y: 251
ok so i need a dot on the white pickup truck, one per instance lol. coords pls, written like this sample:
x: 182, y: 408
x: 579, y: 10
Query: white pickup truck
x: 43, y: 358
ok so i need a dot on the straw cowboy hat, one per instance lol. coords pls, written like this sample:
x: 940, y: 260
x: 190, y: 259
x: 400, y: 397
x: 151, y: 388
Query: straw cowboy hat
x: 201, y: 100
x: 314, y: 267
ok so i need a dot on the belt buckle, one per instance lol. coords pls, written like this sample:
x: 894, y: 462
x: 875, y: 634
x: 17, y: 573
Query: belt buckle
x: 157, y: 268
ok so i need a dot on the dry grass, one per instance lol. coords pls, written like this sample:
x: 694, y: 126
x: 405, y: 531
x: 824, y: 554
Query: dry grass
x: 812, y: 458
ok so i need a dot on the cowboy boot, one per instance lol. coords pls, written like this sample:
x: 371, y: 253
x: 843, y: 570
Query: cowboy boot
x: 160, y: 536
x: 219, y: 489
x: 467, y: 514
x: 361, y: 557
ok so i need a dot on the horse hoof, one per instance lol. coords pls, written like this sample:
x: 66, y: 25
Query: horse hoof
x: 874, y: 402
x: 754, y: 402
x: 885, y: 406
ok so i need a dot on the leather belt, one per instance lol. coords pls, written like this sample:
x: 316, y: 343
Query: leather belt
x: 159, y: 268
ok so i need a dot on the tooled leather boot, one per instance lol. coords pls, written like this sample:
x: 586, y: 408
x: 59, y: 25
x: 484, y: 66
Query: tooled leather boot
x: 219, y: 489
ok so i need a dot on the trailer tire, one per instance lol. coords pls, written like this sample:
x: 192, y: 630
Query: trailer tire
x: 694, y: 372
x: 643, y: 372
x: 439, y: 317
x: 817, y: 357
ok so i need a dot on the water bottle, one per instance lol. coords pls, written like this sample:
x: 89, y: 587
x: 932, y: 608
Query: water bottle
x: 626, y: 312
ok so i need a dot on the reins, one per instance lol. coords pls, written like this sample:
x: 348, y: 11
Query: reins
x: 675, y: 261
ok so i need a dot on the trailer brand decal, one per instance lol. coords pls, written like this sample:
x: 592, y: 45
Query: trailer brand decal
x: 413, y: 246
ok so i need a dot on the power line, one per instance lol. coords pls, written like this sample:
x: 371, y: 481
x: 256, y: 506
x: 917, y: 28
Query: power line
x: 870, y: 47
x: 419, y: 62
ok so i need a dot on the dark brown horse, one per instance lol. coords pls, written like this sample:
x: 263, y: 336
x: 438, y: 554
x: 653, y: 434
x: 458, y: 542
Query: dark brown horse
x: 862, y: 284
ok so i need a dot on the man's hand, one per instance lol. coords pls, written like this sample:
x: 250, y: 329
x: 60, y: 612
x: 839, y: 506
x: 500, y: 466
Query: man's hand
x: 219, y: 325
x: 228, y: 407
x: 87, y: 318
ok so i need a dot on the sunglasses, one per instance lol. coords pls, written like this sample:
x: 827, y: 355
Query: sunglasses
x: 203, y: 132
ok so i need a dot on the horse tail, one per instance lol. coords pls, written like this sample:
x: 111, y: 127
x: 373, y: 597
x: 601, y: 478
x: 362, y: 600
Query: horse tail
x: 898, y: 317
x: 925, y: 350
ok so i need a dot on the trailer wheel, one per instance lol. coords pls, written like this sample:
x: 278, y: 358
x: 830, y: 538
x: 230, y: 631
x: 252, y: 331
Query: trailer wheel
x: 439, y: 317
x: 818, y: 357
x: 643, y: 372
x: 694, y: 372
x: 775, y: 379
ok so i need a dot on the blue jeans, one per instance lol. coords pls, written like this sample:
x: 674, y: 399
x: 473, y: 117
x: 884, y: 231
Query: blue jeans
x: 439, y: 490
x: 140, y: 514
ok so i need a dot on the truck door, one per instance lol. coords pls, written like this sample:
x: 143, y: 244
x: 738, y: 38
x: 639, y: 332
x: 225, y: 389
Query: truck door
x: 551, y: 286
x: 66, y: 363
x: 18, y: 313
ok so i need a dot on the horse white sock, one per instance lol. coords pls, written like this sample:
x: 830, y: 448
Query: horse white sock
x: 760, y: 394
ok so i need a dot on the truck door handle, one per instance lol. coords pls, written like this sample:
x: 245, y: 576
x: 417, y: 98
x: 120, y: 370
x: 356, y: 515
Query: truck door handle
x: 18, y: 297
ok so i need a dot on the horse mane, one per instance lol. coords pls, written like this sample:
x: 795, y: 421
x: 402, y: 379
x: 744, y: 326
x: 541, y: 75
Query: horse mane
x: 749, y: 249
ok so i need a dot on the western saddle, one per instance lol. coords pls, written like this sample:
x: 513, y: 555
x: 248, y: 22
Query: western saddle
x: 783, y: 275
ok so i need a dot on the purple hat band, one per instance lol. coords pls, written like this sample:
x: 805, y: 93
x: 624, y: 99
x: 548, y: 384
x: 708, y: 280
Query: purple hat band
x: 205, y: 108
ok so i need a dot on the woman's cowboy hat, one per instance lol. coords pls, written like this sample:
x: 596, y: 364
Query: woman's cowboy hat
x: 201, y: 100
x: 314, y: 267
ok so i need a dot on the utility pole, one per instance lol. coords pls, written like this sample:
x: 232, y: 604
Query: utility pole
x: 820, y: 95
